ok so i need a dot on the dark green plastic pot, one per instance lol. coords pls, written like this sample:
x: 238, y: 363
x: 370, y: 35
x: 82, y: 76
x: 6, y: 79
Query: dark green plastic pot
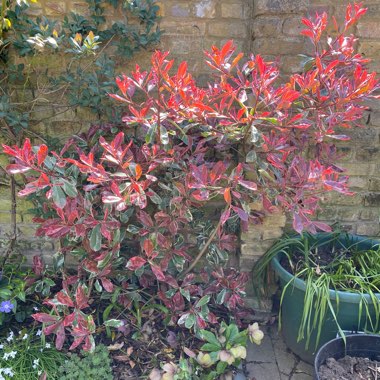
x: 292, y: 309
x: 359, y: 345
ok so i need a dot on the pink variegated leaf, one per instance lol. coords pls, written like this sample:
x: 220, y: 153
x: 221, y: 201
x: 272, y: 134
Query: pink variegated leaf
x: 157, y: 272
x: 135, y: 263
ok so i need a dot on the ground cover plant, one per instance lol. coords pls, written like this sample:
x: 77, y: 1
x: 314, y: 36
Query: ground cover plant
x: 151, y: 209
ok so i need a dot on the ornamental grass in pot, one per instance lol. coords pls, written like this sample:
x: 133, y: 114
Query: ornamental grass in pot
x: 330, y: 283
x: 132, y: 202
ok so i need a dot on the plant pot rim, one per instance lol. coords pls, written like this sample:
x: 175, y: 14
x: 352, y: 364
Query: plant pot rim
x: 343, y: 295
x: 339, y: 340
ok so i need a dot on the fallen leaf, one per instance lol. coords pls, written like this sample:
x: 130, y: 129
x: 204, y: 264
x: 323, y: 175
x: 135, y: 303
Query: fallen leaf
x: 115, y: 347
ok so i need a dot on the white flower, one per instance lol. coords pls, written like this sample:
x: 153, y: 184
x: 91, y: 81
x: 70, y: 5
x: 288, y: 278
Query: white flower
x: 1, y: 347
x: 25, y: 337
x: 35, y: 363
x: 9, y: 372
x: 39, y: 332
x: 35, y: 308
x: 10, y: 336
x: 8, y: 355
x: 47, y: 345
x: 39, y: 373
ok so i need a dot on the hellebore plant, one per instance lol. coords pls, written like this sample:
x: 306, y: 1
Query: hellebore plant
x: 133, y: 205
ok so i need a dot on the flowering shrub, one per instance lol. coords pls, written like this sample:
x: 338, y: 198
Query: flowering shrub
x: 133, y: 207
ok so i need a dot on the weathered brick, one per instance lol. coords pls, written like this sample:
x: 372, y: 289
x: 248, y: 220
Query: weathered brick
x: 266, y: 26
x: 369, y: 213
x: 368, y: 154
x: 227, y: 30
x: 292, y: 26
x: 234, y: 10
x: 369, y: 48
x: 278, y: 6
x: 278, y: 46
x: 359, y: 169
x: 180, y: 10
x: 372, y: 199
x: 369, y: 28
x: 205, y: 8
x: 356, y: 183
x: 368, y: 229
x: 374, y: 184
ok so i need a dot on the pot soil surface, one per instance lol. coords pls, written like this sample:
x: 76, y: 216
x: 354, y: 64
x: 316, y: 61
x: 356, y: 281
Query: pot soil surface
x: 350, y: 368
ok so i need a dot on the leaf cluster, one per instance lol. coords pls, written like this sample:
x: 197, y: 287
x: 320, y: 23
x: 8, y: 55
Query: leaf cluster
x: 95, y: 365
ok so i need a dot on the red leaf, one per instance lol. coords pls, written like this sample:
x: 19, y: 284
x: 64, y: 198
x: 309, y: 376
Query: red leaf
x: 225, y: 216
x: 69, y: 319
x: 148, y: 247
x: 242, y: 214
x: 17, y: 168
x: 248, y: 184
x: 76, y: 343
x: 201, y: 323
x: 182, y: 69
x: 227, y: 195
x: 135, y: 263
x: 41, y: 154
x: 52, y: 328
x: 64, y: 299
x: 81, y: 298
x: 107, y: 284
x: 157, y: 272
x: 145, y: 219
x: 45, y: 318
x: 201, y: 195
x: 138, y: 170
x: 297, y: 223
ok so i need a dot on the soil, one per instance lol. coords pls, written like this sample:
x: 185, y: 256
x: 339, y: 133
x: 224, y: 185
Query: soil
x: 350, y: 368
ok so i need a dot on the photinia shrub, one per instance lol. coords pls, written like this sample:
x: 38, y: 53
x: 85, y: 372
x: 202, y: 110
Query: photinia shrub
x: 134, y: 204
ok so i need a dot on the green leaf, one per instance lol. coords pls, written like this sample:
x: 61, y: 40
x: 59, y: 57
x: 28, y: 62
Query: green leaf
x: 21, y: 296
x: 5, y: 293
x: 107, y: 311
x: 220, y: 297
x: 69, y: 188
x: 20, y: 316
x: 210, y: 337
x: 98, y: 287
x: 96, y: 239
x: 210, y: 347
x: 251, y: 156
x: 221, y: 367
x: 231, y: 332
x: 164, y: 135
x: 185, y: 293
x: 190, y: 320
x: 203, y: 301
x: 114, y: 323
x: 59, y: 197
x: 255, y: 134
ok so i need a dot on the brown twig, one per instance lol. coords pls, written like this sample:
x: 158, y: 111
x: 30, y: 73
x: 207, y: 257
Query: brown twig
x: 204, y: 249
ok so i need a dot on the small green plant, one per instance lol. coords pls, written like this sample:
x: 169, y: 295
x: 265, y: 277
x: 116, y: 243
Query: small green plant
x: 13, y: 302
x: 26, y: 355
x: 222, y: 349
x: 94, y: 366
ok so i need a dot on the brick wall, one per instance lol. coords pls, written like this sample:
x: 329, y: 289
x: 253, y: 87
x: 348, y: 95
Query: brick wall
x: 271, y: 28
